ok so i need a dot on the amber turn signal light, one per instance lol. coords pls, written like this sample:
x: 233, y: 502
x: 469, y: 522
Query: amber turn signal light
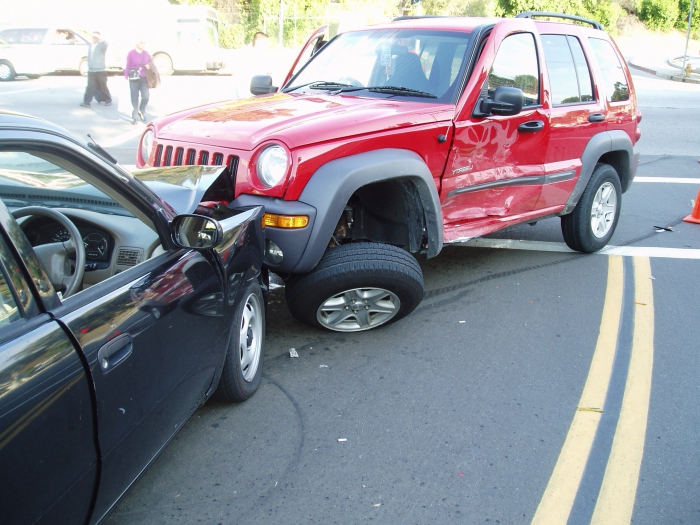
x: 284, y: 221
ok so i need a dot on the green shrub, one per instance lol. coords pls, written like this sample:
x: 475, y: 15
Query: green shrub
x: 603, y: 11
x: 682, y: 21
x: 659, y: 14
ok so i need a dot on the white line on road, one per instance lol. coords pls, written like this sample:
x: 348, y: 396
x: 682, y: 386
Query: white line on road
x: 541, y: 246
x: 675, y: 180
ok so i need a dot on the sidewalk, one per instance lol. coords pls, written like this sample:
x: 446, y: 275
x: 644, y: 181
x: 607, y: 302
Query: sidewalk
x: 661, y: 55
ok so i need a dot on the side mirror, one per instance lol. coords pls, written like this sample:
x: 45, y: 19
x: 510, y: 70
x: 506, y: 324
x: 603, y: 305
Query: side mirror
x: 261, y: 85
x: 196, y: 232
x: 506, y: 101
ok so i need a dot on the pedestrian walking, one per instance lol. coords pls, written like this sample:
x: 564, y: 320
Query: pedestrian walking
x: 97, y: 73
x: 137, y: 63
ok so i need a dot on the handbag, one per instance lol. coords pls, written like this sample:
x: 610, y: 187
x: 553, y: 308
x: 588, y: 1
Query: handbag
x: 135, y: 72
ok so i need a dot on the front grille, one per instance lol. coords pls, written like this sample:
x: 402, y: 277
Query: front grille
x: 169, y: 155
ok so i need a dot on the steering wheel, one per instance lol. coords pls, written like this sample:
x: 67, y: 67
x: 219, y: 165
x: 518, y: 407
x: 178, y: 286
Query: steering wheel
x: 53, y: 257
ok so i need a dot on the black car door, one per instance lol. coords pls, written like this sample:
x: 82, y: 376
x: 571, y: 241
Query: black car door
x: 153, y: 334
x: 48, y: 453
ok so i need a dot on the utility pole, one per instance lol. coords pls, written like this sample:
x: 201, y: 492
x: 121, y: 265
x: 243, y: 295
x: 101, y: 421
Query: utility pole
x: 281, y: 25
x: 687, y: 35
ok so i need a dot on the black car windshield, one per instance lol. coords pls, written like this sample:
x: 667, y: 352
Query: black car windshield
x: 388, y: 62
x: 26, y: 180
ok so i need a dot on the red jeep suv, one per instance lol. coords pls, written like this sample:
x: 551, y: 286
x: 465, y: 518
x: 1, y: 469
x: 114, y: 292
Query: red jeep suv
x: 392, y: 140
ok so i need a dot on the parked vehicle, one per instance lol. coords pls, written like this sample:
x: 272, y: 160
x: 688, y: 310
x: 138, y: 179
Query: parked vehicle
x: 392, y: 140
x: 36, y: 51
x: 120, y: 313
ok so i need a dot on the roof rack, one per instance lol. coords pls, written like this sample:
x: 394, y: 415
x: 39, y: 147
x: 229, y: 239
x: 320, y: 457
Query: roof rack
x: 418, y: 17
x: 532, y: 14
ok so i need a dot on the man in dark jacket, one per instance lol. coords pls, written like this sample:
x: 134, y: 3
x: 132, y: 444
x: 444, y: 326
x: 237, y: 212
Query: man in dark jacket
x: 97, y: 73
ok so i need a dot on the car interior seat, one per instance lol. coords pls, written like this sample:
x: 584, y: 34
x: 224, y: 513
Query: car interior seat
x: 407, y: 71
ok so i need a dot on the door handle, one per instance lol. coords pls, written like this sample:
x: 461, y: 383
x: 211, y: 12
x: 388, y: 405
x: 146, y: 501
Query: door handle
x: 532, y: 125
x: 596, y: 117
x: 115, y: 352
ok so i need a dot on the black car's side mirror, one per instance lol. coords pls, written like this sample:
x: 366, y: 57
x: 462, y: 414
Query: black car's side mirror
x: 196, y: 232
x: 261, y: 85
x: 506, y: 101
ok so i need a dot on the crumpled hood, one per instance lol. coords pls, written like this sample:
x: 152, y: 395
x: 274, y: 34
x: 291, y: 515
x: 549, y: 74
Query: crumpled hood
x: 182, y: 187
x: 296, y: 120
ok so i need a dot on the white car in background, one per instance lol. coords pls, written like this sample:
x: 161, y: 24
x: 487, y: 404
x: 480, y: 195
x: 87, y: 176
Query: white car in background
x: 36, y: 51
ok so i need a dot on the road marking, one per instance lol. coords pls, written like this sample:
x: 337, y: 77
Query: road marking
x: 615, y: 502
x: 541, y: 246
x: 559, y: 496
x: 674, y: 180
x: 22, y: 90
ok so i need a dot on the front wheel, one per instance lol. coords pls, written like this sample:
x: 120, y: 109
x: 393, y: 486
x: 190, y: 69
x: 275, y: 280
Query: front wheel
x: 242, y: 371
x: 592, y: 223
x: 7, y: 72
x: 356, y: 287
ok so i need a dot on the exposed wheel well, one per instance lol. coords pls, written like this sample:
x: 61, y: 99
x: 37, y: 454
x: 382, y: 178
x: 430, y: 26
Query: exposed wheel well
x: 389, y: 212
x: 621, y: 162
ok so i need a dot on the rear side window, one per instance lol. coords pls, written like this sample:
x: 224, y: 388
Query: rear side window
x: 32, y: 36
x: 615, y: 81
x: 569, y: 77
x: 516, y: 66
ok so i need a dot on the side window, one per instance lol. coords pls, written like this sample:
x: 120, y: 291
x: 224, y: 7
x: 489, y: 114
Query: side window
x: 516, y: 66
x: 616, y: 88
x: 569, y: 77
x: 113, y: 233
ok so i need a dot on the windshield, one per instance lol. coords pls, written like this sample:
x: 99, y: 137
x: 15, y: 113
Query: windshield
x: 388, y: 62
x: 26, y: 180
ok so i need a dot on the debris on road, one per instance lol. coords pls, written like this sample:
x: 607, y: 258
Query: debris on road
x: 293, y: 352
x: 323, y: 366
x: 342, y: 440
x: 661, y: 229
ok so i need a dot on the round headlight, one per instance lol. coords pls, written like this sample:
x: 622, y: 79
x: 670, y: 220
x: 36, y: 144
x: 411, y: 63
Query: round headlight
x: 272, y: 165
x: 146, y: 145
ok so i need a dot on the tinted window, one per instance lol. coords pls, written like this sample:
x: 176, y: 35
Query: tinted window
x: 569, y: 78
x: 516, y: 66
x: 615, y: 81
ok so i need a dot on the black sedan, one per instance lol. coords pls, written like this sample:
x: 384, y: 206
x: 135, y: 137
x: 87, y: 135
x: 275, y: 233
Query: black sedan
x: 126, y: 301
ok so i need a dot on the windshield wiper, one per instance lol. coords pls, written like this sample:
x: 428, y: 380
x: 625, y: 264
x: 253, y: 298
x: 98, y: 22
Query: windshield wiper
x: 320, y: 84
x: 399, y: 90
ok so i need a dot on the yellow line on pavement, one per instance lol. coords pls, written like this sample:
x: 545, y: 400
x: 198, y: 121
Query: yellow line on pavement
x: 616, y: 499
x: 558, y: 498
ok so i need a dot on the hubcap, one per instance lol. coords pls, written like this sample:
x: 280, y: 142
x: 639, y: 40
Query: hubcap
x: 5, y: 72
x: 603, y: 210
x: 358, y: 309
x: 250, y: 338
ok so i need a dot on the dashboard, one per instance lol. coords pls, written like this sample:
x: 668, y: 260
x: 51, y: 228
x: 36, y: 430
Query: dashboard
x: 99, y: 244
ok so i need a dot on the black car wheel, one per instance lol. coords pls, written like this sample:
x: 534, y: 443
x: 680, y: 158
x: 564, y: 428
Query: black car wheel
x: 7, y: 72
x: 592, y: 223
x: 242, y: 371
x: 357, y: 287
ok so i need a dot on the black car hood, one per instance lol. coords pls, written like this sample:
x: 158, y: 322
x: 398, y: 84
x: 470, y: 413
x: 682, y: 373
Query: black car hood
x: 182, y: 187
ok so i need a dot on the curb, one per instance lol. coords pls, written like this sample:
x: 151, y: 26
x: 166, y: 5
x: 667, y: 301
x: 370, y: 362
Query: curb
x: 695, y: 79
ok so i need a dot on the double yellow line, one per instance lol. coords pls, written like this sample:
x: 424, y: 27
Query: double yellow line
x: 615, y: 501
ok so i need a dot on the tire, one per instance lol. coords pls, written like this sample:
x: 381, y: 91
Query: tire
x: 356, y: 287
x: 83, y: 67
x: 240, y: 377
x: 7, y: 72
x: 592, y: 223
x: 164, y: 64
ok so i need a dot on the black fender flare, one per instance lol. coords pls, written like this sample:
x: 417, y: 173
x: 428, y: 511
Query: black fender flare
x: 597, y: 147
x: 332, y: 185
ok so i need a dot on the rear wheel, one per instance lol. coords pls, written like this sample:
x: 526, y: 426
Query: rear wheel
x: 592, y: 223
x: 7, y: 72
x: 242, y: 371
x: 357, y: 287
x: 164, y: 64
